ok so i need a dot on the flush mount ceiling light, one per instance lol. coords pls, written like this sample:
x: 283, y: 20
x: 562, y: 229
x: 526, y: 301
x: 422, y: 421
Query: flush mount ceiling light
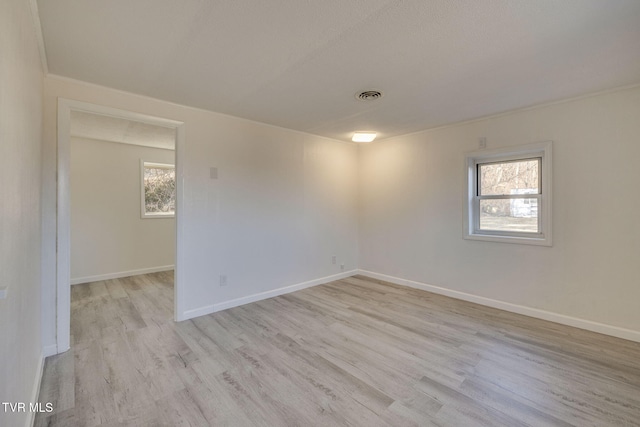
x: 369, y: 95
x: 363, y: 136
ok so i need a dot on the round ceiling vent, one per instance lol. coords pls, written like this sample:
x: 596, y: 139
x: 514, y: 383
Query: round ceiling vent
x: 369, y: 95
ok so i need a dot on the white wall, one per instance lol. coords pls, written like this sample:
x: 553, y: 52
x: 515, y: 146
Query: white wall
x: 20, y: 145
x: 283, y: 204
x: 411, y: 193
x: 108, y: 236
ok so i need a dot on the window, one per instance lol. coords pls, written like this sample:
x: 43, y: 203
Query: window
x: 158, y: 195
x: 508, y: 197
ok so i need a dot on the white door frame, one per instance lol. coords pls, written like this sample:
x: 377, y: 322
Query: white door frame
x: 63, y: 220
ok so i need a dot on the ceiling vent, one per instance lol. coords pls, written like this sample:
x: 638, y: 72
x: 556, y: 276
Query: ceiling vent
x: 369, y: 95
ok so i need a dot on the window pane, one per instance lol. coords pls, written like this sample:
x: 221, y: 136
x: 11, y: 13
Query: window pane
x: 520, y: 177
x: 519, y: 215
x: 159, y: 190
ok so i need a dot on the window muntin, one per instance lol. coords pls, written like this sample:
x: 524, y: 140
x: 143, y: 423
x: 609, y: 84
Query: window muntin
x: 509, y: 195
x: 158, y: 195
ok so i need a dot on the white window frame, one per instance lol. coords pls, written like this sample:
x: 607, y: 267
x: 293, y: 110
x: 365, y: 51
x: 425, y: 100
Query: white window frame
x: 472, y: 230
x: 143, y: 213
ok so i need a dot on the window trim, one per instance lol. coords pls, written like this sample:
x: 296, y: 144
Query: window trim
x: 542, y: 150
x: 143, y: 212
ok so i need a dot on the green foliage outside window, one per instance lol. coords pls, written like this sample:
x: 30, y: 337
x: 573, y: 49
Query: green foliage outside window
x: 159, y: 189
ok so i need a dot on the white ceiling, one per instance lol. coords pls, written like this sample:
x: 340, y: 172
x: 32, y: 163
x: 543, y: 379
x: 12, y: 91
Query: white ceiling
x: 112, y: 129
x: 298, y: 64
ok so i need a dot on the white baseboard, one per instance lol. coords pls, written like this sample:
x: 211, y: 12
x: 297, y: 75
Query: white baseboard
x: 35, y: 393
x: 120, y: 274
x: 589, y: 325
x: 190, y: 314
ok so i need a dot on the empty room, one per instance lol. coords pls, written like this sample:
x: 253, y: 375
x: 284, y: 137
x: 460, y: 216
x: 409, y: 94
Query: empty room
x: 297, y: 213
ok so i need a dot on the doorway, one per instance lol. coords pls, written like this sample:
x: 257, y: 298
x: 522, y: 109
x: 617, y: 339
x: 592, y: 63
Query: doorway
x: 67, y: 109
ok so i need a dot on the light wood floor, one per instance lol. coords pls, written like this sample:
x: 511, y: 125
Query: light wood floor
x: 352, y: 352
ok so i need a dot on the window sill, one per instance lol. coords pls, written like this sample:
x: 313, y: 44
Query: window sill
x: 536, y: 241
x: 156, y: 216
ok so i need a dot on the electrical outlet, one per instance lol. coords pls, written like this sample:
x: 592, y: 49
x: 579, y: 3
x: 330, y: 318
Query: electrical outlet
x: 223, y: 280
x: 213, y: 173
x: 334, y: 259
x: 482, y: 142
x: 341, y: 266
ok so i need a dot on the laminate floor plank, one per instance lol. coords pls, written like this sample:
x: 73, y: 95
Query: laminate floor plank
x: 115, y: 289
x: 354, y: 352
x: 458, y: 409
x: 503, y: 401
x: 578, y: 397
x: 58, y: 382
x: 331, y: 382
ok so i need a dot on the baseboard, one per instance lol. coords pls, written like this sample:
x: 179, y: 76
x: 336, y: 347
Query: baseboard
x: 190, y: 314
x: 120, y: 274
x: 35, y: 393
x: 589, y: 325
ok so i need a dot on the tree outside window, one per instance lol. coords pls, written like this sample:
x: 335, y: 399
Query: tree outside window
x: 158, y: 190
